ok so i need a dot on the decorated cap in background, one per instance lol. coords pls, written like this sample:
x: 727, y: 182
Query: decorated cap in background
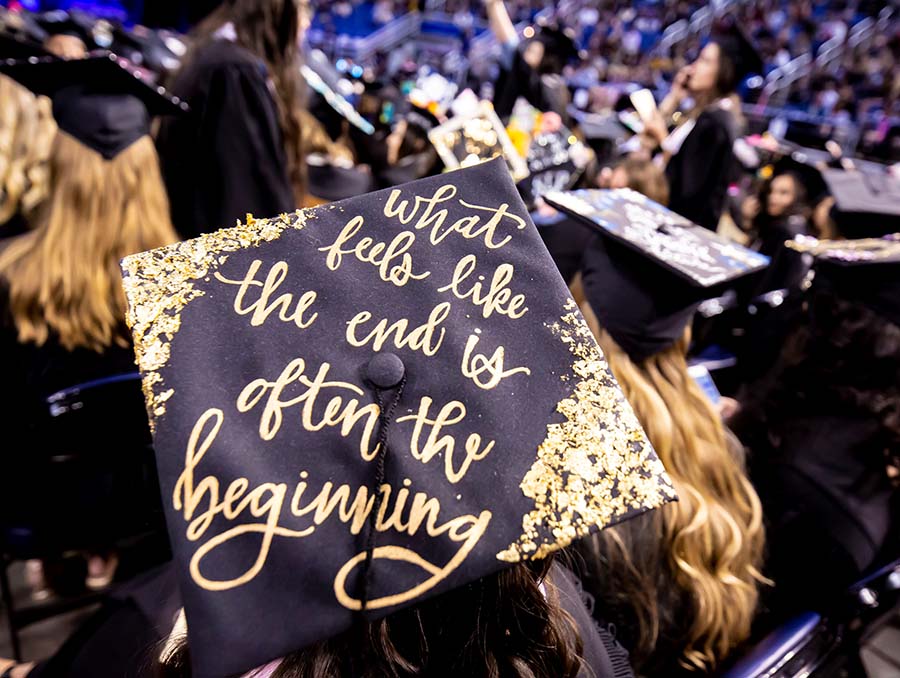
x: 866, y: 203
x: 416, y: 345
x: 101, y: 100
x: 866, y: 270
x: 650, y: 268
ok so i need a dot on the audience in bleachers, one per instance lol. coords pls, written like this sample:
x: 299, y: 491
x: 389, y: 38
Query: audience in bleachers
x: 776, y: 520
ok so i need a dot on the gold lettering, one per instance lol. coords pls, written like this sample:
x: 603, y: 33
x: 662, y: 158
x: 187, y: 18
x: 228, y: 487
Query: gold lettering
x: 498, y: 298
x: 367, y: 251
x: 262, y: 308
x: 469, y: 227
x: 420, y: 339
x: 476, y: 364
x: 337, y: 412
x: 452, y: 413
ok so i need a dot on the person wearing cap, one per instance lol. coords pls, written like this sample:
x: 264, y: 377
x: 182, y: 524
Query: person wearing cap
x: 61, y: 305
x: 443, y: 424
x: 240, y: 150
x: 822, y: 428
x: 532, y: 70
x: 680, y: 584
x: 699, y: 151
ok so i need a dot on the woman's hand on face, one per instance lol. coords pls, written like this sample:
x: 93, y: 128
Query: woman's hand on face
x: 656, y: 129
x: 680, y: 83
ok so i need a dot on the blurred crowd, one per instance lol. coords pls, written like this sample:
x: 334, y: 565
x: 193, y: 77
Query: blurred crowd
x: 771, y: 396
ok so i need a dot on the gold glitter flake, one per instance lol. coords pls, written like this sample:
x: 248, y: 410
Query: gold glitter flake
x: 159, y: 284
x: 594, y: 467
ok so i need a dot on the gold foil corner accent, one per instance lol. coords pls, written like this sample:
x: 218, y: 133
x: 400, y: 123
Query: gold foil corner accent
x: 595, y: 466
x: 159, y: 285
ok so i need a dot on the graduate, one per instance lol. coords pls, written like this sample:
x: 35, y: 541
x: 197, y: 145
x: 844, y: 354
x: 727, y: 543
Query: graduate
x: 700, y: 160
x: 61, y: 304
x: 376, y: 422
x: 239, y: 151
x: 822, y: 426
x: 532, y: 69
x: 680, y: 584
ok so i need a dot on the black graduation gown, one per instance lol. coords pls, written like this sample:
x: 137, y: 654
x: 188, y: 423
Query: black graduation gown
x: 548, y: 93
x: 31, y: 372
x: 829, y: 505
x: 227, y: 157
x: 700, y: 172
x: 107, y: 489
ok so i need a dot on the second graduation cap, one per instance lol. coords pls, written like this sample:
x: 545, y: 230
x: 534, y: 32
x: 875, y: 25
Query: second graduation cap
x: 101, y: 101
x: 650, y: 268
x: 423, y: 330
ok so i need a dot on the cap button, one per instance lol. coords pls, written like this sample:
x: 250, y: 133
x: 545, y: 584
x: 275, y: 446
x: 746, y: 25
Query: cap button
x: 385, y: 370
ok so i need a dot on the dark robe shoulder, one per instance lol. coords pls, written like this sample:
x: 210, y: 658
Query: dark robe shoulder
x: 32, y: 372
x: 519, y: 80
x: 701, y: 170
x: 227, y: 157
x: 602, y: 655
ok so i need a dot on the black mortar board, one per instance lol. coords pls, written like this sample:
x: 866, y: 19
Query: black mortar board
x: 331, y: 182
x: 75, y: 23
x: 650, y: 268
x: 867, y: 204
x: 506, y: 436
x: 740, y: 51
x: 19, y: 47
x: 865, y: 270
x: 101, y: 101
x: 551, y: 166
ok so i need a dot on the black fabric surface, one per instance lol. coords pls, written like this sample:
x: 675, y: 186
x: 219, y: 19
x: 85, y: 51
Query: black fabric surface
x: 227, y: 158
x: 700, y: 172
x: 217, y: 353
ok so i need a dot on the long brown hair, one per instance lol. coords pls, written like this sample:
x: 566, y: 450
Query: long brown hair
x: 270, y: 29
x: 707, y: 547
x: 26, y: 134
x: 64, y: 276
x: 501, y: 625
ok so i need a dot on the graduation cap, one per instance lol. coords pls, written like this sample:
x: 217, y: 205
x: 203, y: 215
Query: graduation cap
x: 363, y: 405
x: 332, y: 182
x: 20, y: 47
x: 88, y: 29
x: 736, y: 46
x: 651, y: 268
x: 101, y: 101
x: 866, y: 270
x: 552, y: 163
x: 867, y: 204
x: 466, y: 140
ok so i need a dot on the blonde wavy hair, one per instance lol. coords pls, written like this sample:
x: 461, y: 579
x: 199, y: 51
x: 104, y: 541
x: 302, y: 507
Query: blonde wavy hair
x: 26, y: 135
x: 64, y: 275
x: 704, y: 551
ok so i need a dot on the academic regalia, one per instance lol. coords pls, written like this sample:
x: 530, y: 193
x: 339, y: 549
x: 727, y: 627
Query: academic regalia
x: 817, y: 459
x: 546, y: 92
x: 100, y: 102
x: 700, y: 172
x: 205, y: 361
x: 703, y: 166
x: 647, y: 269
x: 228, y: 158
x: 645, y: 272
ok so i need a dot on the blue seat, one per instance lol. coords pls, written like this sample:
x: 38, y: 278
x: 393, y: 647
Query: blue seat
x: 87, y: 480
x: 789, y: 650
